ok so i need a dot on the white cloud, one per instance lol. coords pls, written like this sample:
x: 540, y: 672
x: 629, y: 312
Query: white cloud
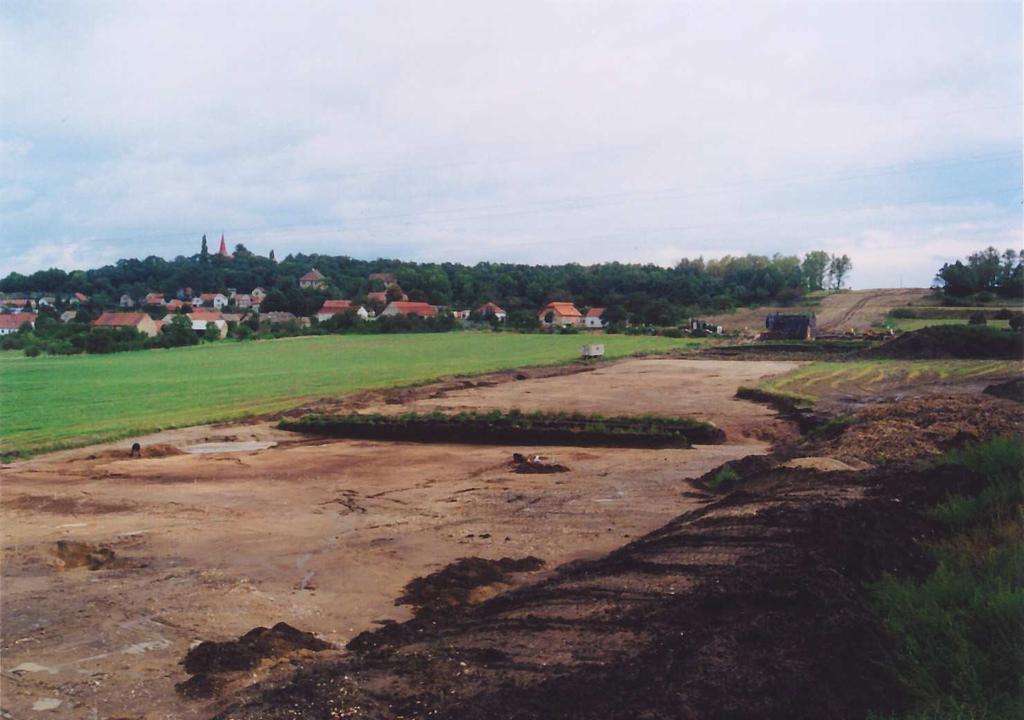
x: 530, y: 131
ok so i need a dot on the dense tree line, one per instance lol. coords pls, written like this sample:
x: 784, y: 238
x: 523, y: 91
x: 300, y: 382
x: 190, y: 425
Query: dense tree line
x: 642, y: 293
x: 987, y: 272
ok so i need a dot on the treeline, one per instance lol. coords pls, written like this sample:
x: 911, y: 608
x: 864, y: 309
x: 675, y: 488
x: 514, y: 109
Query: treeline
x: 986, y: 275
x: 641, y: 293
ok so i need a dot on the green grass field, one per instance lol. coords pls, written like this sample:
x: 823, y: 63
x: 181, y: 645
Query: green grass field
x: 48, y: 403
x: 865, y: 377
x: 909, y: 324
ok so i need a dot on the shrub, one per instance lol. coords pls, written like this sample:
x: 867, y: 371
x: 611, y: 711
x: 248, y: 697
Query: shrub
x: 1003, y: 314
x: 32, y: 351
x: 978, y: 318
x: 902, y: 313
x: 725, y: 478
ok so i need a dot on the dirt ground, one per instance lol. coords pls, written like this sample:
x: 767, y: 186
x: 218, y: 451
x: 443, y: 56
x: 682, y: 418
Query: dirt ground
x: 323, y: 535
x: 856, y: 310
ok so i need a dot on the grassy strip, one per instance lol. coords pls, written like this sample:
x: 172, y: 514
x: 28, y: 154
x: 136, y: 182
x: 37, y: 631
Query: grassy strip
x: 51, y: 403
x: 782, y: 401
x: 959, y: 632
x: 514, y: 426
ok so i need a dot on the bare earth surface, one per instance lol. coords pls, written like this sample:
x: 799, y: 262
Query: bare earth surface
x: 857, y: 310
x: 320, y: 534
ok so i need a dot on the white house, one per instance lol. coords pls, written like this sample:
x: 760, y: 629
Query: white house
x: 594, y: 318
x: 126, y: 301
x: 215, y: 300
x: 488, y: 310
x: 331, y: 308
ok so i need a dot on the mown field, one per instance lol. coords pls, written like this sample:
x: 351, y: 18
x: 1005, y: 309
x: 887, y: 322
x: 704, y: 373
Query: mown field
x: 866, y: 377
x: 47, y: 403
x: 909, y: 324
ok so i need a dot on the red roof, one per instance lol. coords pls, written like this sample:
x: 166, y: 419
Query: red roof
x: 119, y: 319
x: 207, y: 315
x: 154, y: 299
x: 80, y: 297
x: 595, y: 312
x: 490, y: 308
x: 174, y: 304
x: 336, y: 306
x: 13, y: 322
x: 312, y: 276
x: 381, y: 297
x: 209, y: 296
x: 414, y: 308
x: 16, y: 302
x: 565, y: 309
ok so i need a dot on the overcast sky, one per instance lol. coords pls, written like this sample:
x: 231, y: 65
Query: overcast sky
x: 511, y: 131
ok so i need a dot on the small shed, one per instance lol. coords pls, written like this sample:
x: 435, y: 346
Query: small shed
x: 791, y: 327
x: 592, y: 350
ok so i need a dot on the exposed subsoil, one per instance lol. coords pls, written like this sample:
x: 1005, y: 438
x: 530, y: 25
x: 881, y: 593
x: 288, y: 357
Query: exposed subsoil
x: 752, y: 606
x: 321, y: 534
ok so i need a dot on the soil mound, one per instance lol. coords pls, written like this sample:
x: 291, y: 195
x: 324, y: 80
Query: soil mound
x: 1010, y: 390
x: 209, y: 659
x: 460, y: 582
x: 960, y: 342
x: 821, y: 464
x: 74, y: 554
x: 527, y: 465
x: 753, y: 606
x: 917, y: 428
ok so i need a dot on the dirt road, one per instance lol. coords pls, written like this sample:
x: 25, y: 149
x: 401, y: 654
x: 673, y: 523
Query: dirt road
x: 320, y: 534
x: 857, y: 310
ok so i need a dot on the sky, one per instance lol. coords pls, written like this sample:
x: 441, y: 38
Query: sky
x: 534, y: 132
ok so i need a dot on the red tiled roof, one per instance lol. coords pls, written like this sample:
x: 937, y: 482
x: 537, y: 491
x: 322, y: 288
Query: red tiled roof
x: 595, y: 312
x: 119, y: 319
x: 565, y: 309
x: 414, y: 308
x: 207, y: 315
x: 312, y: 276
x: 154, y: 298
x: 80, y: 297
x: 336, y: 306
x: 174, y: 304
x: 377, y: 297
x: 489, y: 308
x: 13, y: 322
x: 16, y: 302
x: 208, y: 296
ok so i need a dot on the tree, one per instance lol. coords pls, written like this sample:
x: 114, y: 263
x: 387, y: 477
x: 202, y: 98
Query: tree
x: 394, y: 293
x: 838, y: 268
x: 272, y: 258
x: 814, y: 267
x: 212, y: 332
x: 178, y: 332
x: 204, y: 251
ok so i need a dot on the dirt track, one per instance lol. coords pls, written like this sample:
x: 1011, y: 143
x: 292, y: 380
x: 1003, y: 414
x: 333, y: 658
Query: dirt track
x: 322, y: 535
x: 857, y: 310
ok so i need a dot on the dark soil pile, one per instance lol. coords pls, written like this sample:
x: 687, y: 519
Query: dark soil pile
x: 75, y: 554
x: 527, y: 465
x: 207, y: 660
x: 454, y: 584
x: 951, y: 342
x: 1010, y: 390
x: 919, y: 428
x: 752, y: 607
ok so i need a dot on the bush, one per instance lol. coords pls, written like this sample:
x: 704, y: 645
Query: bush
x: 32, y: 351
x: 1017, y: 322
x: 902, y: 313
x: 726, y: 477
x: 977, y: 318
x: 1003, y: 314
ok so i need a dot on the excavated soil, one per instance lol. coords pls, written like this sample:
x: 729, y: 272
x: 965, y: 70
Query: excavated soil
x: 321, y: 534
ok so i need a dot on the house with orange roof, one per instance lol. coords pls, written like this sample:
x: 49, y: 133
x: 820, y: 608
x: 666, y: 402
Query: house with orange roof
x: 594, y: 318
x: 140, y: 321
x: 217, y: 301
x: 419, y: 309
x: 154, y: 299
x: 488, y: 310
x: 330, y: 308
x: 10, y: 324
x: 560, y: 314
x: 313, y: 279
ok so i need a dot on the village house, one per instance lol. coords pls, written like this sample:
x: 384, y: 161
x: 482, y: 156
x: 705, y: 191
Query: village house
x: 276, y: 317
x: 46, y: 301
x: 377, y: 297
x: 488, y: 310
x: 154, y: 299
x: 419, y: 309
x: 242, y: 300
x: 330, y: 308
x: 12, y: 323
x: 561, y: 314
x: 257, y: 295
x: 126, y: 301
x: 200, y: 318
x: 461, y: 314
x: 68, y: 315
x: 17, y: 305
x: 594, y: 318
x: 313, y: 279
x: 215, y: 300
x: 78, y: 298
x: 140, y: 321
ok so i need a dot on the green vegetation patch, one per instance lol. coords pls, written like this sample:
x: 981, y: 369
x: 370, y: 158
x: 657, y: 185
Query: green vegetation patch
x: 958, y: 631
x: 513, y: 427
x: 49, y: 403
